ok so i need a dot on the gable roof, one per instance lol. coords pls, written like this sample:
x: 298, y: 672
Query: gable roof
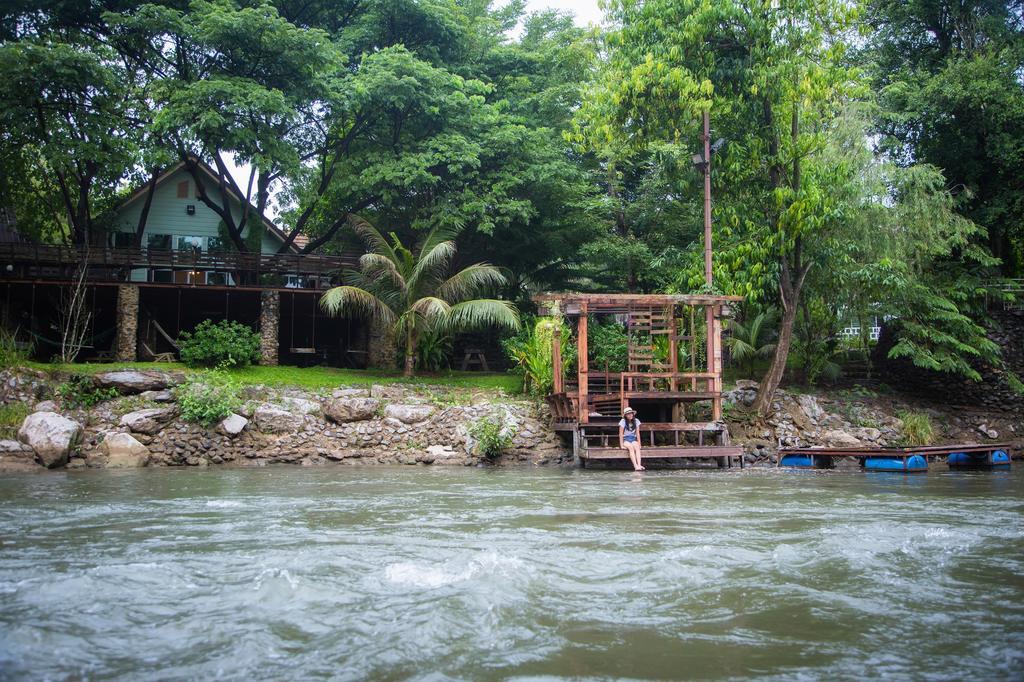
x: 167, y: 173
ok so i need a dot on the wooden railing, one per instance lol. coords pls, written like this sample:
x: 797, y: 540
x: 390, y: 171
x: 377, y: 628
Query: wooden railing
x: 43, y: 261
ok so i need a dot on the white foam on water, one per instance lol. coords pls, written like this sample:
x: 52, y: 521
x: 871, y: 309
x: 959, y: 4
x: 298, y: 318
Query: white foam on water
x: 434, y: 575
x: 275, y: 573
x: 224, y: 504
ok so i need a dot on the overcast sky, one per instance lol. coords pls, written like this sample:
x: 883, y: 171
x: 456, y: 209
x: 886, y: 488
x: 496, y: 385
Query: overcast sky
x: 586, y: 11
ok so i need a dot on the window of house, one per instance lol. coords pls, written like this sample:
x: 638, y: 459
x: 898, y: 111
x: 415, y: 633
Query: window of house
x: 217, y: 245
x: 123, y: 240
x: 165, y: 276
x: 159, y: 242
x: 190, y: 244
x: 183, y: 189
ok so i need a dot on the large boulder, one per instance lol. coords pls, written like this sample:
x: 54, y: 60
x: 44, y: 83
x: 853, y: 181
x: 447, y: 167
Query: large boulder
x: 273, y: 419
x: 344, y: 410
x: 123, y: 451
x: 51, y: 436
x: 299, y: 405
x: 409, y: 414
x: 232, y: 425
x: 136, y: 381
x: 149, y: 421
x: 840, y: 439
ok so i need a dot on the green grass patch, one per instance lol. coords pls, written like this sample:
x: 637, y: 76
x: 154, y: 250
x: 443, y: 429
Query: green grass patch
x: 11, y: 416
x: 313, y: 378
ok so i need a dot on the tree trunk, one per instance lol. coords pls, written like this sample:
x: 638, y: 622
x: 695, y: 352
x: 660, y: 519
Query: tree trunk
x: 772, y: 379
x: 410, y: 353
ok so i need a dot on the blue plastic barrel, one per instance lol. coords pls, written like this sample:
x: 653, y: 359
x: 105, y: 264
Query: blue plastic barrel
x: 959, y: 459
x: 912, y: 463
x: 801, y: 461
x: 1000, y: 458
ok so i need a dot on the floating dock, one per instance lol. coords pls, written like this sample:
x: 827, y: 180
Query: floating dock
x: 903, y: 460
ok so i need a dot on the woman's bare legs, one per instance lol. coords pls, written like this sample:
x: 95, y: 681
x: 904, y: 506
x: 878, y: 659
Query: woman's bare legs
x: 634, y: 451
x: 639, y: 461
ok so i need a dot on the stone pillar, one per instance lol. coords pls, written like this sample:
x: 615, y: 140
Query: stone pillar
x: 381, y: 347
x: 127, y: 322
x: 270, y: 320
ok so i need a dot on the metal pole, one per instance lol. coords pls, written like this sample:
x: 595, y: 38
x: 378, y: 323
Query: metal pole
x: 707, y: 197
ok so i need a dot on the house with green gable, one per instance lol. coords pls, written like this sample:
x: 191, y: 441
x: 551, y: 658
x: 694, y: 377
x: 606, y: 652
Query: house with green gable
x: 176, y: 220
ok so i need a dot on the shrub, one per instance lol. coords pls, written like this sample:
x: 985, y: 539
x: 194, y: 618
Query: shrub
x: 530, y: 350
x: 207, y: 397
x: 492, y: 438
x: 917, y: 428
x: 11, y: 417
x: 433, y: 350
x: 222, y: 344
x: 80, y: 391
x: 13, y: 353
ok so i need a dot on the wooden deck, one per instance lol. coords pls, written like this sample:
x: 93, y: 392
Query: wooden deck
x: 51, y: 263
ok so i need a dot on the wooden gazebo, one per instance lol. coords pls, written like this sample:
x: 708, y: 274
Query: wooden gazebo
x: 673, y: 376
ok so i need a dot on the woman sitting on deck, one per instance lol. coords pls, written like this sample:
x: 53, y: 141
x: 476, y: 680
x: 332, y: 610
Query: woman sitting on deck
x: 629, y: 437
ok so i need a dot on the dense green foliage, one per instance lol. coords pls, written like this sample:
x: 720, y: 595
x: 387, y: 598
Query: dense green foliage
x: 219, y: 344
x: 871, y: 166
x: 208, y: 397
x: 607, y: 345
x: 531, y: 354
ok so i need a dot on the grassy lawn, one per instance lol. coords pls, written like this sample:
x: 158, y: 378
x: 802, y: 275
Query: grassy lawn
x: 314, y: 377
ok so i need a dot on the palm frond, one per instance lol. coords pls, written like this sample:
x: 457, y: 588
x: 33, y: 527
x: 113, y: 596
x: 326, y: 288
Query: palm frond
x: 431, y: 266
x: 345, y: 299
x: 470, y: 282
x: 377, y: 266
x: 482, y: 313
x: 433, y: 309
x: 376, y: 242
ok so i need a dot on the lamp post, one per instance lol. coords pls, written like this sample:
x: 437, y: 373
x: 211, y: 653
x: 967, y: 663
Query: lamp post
x: 707, y: 198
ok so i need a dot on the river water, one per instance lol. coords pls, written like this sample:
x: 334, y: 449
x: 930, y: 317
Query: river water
x: 436, y: 573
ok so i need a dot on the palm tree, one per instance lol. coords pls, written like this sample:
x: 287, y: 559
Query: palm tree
x: 747, y: 342
x: 411, y: 294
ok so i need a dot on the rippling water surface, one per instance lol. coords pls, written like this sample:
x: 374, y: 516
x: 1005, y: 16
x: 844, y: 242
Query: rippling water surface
x: 488, y: 574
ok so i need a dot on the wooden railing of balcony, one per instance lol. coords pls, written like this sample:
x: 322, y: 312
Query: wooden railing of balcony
x: 51, y: 262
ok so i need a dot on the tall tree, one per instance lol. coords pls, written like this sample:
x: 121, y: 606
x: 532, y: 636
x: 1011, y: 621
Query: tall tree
x: 952, y: 95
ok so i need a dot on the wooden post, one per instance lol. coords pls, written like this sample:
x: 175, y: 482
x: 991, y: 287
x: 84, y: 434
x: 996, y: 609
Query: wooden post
x: 716, y: 328
x: 581, y: 365
x: 673, y: 348
x: 556, y: 358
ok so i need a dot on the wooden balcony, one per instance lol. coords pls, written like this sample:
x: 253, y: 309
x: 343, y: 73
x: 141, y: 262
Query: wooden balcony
x: 50, y: 263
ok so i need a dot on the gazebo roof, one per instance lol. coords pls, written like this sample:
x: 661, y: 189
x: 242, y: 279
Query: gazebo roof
x: 572, y: 303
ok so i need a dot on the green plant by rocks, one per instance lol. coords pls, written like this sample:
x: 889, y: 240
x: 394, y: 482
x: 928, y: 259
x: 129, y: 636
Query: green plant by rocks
x: 491, y: 437
x: 917, y: 428
x: 80, y: 391
x: 222, y: 344
x: 11, y: 417
x: 207, y: 397
x: 13, y: 353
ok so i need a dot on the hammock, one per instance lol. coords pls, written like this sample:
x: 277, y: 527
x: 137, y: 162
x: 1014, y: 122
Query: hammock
x: 160, y: 330
x: 94, y: 339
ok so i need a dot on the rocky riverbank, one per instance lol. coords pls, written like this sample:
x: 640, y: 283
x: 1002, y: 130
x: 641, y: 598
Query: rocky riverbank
x: 414, y: 425
x: 377, y: 424
x: 858, y: 418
